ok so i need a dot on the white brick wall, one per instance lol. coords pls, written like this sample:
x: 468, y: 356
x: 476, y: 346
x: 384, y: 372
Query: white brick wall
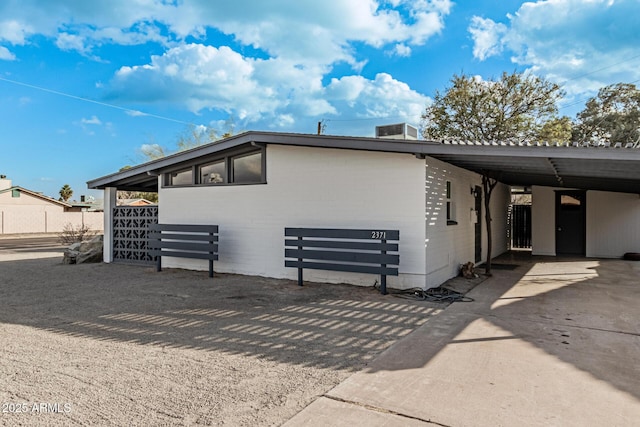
x: 309, y: 187
x: 449, y: 246
x: 317, y: 187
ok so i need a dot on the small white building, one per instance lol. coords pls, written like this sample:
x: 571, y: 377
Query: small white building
x: 255, y: 184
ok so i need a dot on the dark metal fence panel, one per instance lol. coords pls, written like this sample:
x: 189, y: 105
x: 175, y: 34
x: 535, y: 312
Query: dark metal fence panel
x: 520, y: 226
x: 130, y: 230
x: 343, y: 249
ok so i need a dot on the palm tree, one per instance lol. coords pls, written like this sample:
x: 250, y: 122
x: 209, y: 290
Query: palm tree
x: 65, y: 192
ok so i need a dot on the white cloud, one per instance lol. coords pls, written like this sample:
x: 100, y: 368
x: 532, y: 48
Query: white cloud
x: 583, y: 44
x: 379, y: 98
x: 6, y: 54
x: 317, y: 30
x: 15, y: 32
x: 67, y: 41
x: 273, y: 90
x: 198, y: 77
x: 293, y: 46
x: 92, y: 121
x: 204, y: 77
x: 400, y: 49
x: 487, y: 37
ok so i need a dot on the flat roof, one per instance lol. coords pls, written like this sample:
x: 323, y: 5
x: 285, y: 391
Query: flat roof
x: 589, y: 168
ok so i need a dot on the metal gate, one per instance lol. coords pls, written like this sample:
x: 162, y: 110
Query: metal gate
x: 520, y: 221
x: 130, y: 228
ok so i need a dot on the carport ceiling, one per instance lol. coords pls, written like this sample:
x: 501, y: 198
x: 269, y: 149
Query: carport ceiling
x: 582, y: 173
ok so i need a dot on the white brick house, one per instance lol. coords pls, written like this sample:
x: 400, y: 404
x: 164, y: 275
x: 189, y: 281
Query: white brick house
x: 255, y: 184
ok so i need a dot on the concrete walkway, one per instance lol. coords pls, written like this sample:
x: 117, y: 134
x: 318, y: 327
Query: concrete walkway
x: 551, y: 343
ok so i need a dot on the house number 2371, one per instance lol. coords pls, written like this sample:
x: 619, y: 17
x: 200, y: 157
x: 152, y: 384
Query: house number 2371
x: 378, y: 234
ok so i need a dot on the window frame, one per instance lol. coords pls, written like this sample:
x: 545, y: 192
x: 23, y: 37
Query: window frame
x: 168, y: 179
x: 231, y: 167
x: 225, y: 174
x: 227, y: 159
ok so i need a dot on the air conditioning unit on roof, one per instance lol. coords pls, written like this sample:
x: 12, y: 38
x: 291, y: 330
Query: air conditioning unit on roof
x: 397, y: 131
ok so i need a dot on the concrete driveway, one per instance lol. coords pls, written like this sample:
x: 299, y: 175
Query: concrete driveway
x: 551, y: 343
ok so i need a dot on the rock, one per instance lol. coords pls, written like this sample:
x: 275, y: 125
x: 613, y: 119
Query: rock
x: 93, y: 255
x: 69, y: 256
x: 89, y: 251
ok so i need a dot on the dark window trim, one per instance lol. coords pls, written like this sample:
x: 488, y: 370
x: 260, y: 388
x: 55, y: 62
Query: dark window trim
x: 227, y: 157
x: 167, y: 177
x: 451, y: 219
x: 231, y: 171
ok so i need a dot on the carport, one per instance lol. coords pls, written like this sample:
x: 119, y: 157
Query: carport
x: 586, y: 200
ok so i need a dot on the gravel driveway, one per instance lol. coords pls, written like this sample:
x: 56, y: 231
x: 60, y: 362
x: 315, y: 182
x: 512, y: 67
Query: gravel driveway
x: 119, y: 344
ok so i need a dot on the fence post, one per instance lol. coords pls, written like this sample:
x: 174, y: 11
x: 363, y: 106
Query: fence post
x: 383, y: 277
x: 300, y: 260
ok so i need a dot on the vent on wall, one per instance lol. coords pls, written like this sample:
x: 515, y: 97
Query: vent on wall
x: 397, y: 131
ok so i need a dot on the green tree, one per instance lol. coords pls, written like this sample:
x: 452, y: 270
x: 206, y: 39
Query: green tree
x: 152, y: 152
x: 191, y: 137
x: 613, y: 116
x: 557, y: 131
x: 514, y: 108
x: 65, y: 193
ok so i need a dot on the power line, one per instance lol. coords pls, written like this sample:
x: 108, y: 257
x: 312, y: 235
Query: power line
x: 580, y: 101
x: 599, y: 69
x: 367, y: 119
x: 104, y: 104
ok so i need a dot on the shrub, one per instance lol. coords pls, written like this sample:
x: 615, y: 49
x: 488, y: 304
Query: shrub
x: 71, y: 234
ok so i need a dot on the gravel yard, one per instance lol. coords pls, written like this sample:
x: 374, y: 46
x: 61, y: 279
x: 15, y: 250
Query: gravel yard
x: 118, y: 344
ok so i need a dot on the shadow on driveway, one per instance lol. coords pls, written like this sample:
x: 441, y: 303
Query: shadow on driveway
x: 329, y: 326
x: 553, y: 342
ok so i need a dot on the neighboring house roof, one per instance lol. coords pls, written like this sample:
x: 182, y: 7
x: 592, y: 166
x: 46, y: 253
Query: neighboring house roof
x: 36, y: 195
x: 590, y: 168
x: 134, y: 202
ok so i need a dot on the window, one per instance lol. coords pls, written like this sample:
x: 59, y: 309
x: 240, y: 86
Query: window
x: 247, y: 168
x: 181, y: 177
x: 451, y: 207
x: 237, y: 167
x: 213, y: 173
x: 15, y: 193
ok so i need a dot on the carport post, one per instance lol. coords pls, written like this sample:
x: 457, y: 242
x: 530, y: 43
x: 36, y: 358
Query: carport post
x: 109, y: 204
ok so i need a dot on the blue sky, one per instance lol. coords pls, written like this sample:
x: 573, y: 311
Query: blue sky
x: 84, y: 85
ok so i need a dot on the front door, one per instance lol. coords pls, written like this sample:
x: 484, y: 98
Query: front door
x: 570, y: 222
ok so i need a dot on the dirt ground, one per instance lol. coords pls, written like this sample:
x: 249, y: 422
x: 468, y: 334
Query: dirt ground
x: 101, y: 344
